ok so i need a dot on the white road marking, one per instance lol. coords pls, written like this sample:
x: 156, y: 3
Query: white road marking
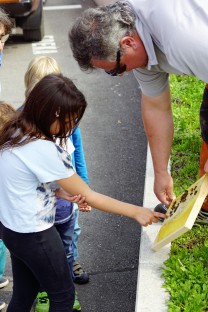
x: 62, y: 7
x: 45, y: 46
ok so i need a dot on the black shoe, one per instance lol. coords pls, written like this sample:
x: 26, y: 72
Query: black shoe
x: 202, y: 217
x: 162, y: 209
x: 80, y: 276
x: 2, y: 305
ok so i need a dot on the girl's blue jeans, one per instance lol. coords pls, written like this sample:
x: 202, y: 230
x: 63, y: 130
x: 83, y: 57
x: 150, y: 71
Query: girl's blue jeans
x: 77, y: 232
x: 39, y: 259
x: 66, y: 231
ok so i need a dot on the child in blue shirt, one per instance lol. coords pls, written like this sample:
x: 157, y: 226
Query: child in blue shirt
x: 66, y: 218
x: 78, y: 160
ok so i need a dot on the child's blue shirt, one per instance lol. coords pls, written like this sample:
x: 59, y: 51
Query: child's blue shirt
x: 64, y: 208
x: 78, y: 158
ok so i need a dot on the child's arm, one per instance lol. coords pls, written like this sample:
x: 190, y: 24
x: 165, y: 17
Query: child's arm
x: 78, y: 158
x: 75, y: 185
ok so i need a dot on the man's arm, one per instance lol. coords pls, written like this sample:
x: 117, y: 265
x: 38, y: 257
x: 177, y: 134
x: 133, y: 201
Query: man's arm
x: 158, y: 124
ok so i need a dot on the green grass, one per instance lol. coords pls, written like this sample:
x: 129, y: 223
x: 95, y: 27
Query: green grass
x: 186, y: 270
x: 186, y: 98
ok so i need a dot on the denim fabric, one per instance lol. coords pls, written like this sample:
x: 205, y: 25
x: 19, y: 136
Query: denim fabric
x: 77, y: 231
x: 66, y: 231
x: 64, y: 210
x: 2, y: 257
x: 39, y: 259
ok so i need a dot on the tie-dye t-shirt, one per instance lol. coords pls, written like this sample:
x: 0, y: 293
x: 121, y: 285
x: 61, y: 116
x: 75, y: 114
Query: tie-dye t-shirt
x: 27, y: 200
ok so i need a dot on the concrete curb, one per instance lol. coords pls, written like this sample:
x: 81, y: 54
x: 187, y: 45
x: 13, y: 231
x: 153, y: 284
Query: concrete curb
x: 150, y: 295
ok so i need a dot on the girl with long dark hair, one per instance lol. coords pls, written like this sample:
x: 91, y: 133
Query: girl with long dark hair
x: 30, y: 163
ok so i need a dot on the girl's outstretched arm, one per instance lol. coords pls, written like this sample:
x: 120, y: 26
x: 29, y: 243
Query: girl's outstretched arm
x: 75, y: 185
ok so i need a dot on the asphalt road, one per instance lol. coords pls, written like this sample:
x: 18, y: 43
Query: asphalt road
x: 115, y: 150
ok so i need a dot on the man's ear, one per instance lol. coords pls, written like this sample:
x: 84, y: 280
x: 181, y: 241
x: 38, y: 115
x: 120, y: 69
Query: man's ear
x: 128, y: 42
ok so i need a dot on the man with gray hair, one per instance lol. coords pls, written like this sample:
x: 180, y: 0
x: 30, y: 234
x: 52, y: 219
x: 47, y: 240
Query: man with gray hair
x: 153, y: 38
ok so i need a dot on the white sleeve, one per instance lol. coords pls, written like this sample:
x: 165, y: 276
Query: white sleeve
x: 45, y: 160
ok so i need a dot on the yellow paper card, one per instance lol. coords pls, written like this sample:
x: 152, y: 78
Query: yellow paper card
x: 182, y: 213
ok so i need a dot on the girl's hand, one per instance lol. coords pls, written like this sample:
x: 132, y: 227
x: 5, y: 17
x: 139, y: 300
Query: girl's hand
x: 146, y: 216
x: 78, y: 199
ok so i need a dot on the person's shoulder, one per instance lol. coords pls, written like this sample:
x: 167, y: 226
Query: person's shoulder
x: 41, y: 146
x: 43, y: 142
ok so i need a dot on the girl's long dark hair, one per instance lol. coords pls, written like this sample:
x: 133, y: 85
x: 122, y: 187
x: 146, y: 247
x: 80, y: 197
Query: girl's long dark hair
x: 54, y: 97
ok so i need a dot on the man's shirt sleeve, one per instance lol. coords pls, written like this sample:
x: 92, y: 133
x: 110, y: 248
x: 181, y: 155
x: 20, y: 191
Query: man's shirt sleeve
x: 152, y: 83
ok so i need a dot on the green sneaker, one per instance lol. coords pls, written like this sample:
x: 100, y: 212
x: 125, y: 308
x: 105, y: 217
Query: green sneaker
x: 42, y: 304
x: 76, y: 306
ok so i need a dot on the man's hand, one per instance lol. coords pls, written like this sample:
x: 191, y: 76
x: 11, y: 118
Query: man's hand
x: 163, y: 188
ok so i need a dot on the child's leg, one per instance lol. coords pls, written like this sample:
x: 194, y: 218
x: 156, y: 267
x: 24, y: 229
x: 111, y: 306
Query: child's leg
x: 77, y: 231
x: 66, y: 231
x: 2, y: 258
x: 80, y: 276
x: 43, y: 262
x: 25, y: 287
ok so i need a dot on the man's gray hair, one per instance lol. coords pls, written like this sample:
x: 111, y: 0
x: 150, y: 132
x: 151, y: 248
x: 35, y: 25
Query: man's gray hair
x: 97, y: 32
x: 5, y: 21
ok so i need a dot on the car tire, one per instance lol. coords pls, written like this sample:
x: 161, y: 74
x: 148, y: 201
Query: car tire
x: 31, y: 33
x: 34, y: 34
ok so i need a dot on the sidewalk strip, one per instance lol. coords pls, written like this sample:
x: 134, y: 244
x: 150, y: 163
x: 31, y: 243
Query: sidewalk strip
x: 150, y: 297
